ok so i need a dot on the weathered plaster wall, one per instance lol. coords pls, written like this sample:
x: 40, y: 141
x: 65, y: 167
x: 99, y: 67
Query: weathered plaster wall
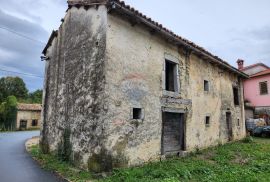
x: 140, y: 57
x: 74, y: 89
x: 101, y: 67
x: 134, y: 80
x: 214, y: 103
x: 29, y: 116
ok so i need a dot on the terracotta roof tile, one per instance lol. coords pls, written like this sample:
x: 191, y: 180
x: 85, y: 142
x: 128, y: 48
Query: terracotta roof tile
x: 254, y: 65
x: 29, y: 107
x: 266, y: 72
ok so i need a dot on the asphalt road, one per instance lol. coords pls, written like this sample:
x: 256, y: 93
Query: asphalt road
x: 15, y: 163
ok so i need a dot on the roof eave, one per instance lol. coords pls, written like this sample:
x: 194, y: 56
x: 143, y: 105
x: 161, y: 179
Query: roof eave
x: 258, y: 75
x: 49, y: 43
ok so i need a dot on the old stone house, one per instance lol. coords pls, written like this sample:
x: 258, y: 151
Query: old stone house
x: 122, y: 90
x: 28, y: 116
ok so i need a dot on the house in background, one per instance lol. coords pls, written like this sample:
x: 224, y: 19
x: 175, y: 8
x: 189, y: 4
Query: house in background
x: 28, y: 116
x: 256, y: 88
x: 123, y: 90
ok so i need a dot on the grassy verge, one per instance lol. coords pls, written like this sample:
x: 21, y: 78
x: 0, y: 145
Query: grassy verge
x: 240, y: 161
x: 51, y: 163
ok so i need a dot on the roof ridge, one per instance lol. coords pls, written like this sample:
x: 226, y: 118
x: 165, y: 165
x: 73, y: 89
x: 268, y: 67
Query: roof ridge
x: 256, y: 64
x: 261, y: 73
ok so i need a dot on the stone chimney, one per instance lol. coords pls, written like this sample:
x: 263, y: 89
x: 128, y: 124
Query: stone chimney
x: 240, y: 63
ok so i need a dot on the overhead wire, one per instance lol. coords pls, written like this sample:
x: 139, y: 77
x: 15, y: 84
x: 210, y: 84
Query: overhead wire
x: 20, y: 73
x: 22, y: 35
x: 26, y: 37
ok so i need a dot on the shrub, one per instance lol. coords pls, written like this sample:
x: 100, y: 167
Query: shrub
x: 248, y: 139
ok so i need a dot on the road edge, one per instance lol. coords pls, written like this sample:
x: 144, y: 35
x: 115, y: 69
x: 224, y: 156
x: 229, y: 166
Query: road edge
x: 35, y: 141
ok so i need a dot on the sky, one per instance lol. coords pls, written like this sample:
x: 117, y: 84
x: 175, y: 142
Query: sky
x: 230, y: 29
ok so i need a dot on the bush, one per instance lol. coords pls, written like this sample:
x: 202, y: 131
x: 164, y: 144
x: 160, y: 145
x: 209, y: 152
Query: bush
x: 248, y: 139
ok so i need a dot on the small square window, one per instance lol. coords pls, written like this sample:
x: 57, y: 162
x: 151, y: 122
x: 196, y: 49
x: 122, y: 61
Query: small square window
x: 207, y: 121
x: 137, y: 113
x: 206, y: 86
x: 34, y: 122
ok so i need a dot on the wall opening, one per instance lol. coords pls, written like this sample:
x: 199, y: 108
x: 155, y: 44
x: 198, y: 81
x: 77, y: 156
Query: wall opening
x: 206, y: 86
x: 23, y: 124
x: 236, y: 96
x: 34, y: 122
x: 171, y: 76
x: 263, y: 88
x: 137, y: 113
x: 207, y: 121
x: 229, y: 126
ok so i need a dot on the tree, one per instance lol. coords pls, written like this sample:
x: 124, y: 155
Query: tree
x: 36, y: 97
x: 8, y: 113
x: 12, y: 86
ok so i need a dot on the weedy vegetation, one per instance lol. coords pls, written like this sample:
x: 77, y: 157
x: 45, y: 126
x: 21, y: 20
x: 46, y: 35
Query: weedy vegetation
x: 243, y: 161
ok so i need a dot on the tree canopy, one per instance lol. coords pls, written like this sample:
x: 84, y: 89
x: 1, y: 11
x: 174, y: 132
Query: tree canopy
x: 12, y: 86
x: 36, y: 97
x: 15, y: 86
x: 13, y: 90
x: 8, y: 112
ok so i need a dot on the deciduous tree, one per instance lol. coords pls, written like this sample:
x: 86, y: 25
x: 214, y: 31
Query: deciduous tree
x: 12, y: 86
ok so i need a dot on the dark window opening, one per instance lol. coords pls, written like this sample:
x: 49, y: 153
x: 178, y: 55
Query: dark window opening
x: 206, y: 85
x: 34, y: 122
x: 236, y: 96
x: 238, y: 122
x: 263, y: 88
x: 170, y: 69
x: 23, y: 124
x: 207, y: 120
x: 137, y: 113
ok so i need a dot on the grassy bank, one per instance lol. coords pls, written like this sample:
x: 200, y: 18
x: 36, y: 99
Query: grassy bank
x: 241, y: 161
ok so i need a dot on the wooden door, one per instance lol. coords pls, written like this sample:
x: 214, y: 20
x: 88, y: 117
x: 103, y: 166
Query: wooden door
x: 172, y: 133
x: 229, y: 125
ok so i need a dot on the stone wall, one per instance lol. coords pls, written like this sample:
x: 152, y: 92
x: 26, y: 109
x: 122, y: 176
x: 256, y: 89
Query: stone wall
x: 28, y: 116
x: 74, y: 85
x: 214, y: 103
x: 140, y: 56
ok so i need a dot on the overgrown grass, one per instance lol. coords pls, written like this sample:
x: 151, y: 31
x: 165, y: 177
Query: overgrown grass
x: 51, y: 163
x: 244, y: 161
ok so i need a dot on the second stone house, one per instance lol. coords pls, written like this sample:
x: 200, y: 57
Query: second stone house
x: 122, y: 90
x: 28, y: 116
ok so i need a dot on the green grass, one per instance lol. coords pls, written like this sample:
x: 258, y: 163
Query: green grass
x: 51, y: 163
x: 244, y: 161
